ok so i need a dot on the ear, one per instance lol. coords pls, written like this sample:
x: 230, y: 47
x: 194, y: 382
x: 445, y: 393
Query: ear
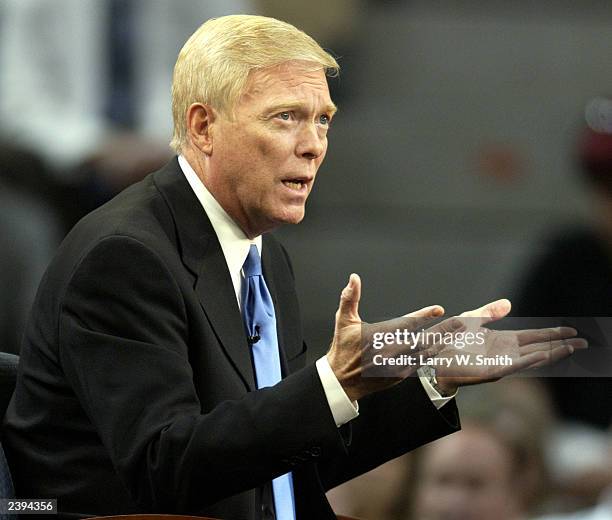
x: 200, y: 118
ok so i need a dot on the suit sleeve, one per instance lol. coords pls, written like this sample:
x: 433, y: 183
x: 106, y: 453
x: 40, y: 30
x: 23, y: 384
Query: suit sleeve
x: 390, y: 423
x: 124, y: 347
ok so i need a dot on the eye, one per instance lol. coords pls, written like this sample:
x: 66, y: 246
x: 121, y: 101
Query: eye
x: 324, y: 119
x: 285, y: 116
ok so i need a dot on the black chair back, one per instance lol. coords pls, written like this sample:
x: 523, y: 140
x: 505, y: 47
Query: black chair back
x: 8, y: 378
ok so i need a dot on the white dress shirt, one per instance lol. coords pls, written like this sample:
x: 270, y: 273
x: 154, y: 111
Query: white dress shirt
x: 235, y: 246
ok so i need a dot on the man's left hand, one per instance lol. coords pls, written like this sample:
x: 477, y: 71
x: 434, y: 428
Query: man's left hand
x: 500, y: 353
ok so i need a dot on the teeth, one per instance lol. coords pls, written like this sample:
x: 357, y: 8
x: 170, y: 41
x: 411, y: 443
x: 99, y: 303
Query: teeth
x: 293, y: 184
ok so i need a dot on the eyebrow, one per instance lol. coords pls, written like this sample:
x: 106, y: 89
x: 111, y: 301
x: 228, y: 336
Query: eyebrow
x: 296, y: 105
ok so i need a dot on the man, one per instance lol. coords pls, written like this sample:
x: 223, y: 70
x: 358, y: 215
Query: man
x: 142, y: 388
x: 477, y: 474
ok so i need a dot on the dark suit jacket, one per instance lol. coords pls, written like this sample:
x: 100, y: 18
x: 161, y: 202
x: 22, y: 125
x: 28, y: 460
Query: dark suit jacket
x: 136, y: 390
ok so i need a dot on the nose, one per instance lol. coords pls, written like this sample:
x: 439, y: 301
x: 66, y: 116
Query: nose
x: 311, y: 143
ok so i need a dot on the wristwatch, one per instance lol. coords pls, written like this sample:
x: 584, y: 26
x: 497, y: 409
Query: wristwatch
x: 430, y: 373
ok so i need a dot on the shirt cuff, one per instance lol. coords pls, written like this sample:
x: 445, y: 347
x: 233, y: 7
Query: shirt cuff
x: 342, y: 409
x: 438, y: 400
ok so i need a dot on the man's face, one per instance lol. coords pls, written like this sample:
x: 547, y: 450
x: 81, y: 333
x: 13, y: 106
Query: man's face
x: 264, y: 160
x: 468, y: 476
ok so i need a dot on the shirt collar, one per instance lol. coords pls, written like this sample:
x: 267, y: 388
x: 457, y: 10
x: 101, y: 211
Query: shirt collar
x: 234, y: 243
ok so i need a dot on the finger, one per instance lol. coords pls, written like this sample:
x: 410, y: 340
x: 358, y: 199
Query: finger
x: 540, y: 359
x: 490, y: 312
x: 525, y: 337
x: 416, y: 320
x: 349, y: 300
x: 575, y: 343
x: 432, y: 311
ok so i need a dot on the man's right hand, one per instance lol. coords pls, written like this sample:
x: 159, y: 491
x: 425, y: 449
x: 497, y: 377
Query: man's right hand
x: 350, y: 350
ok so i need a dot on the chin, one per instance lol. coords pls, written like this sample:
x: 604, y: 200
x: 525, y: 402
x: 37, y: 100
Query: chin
x: 291, y: 217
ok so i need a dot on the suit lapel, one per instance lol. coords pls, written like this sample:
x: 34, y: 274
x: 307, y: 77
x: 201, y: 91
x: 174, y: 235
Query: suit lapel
x: 216, y: 293
x: 202, y: 255
x: 288, y: 324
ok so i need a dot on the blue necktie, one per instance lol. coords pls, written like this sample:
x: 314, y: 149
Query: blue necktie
x: 260, y: 323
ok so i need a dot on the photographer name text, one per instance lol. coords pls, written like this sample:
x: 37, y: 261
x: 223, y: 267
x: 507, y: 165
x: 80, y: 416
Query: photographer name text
x: 457, y: 359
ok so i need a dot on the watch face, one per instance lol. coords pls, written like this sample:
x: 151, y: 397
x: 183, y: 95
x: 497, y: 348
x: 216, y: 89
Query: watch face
x: 429, y: 372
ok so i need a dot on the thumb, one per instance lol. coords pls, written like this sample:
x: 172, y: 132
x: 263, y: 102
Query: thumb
x: 349, y: 300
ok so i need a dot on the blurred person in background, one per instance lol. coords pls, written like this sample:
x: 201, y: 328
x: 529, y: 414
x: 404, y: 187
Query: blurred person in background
x: 573, y: 278
x: 85, y: 87
x: 493, y: 467
x: 473, y: 475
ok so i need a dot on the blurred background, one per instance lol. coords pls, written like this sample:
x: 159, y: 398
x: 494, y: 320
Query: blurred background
x: 471, y: 159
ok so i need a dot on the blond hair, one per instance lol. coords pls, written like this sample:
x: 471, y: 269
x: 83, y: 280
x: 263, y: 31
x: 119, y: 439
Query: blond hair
x: 214, y: 63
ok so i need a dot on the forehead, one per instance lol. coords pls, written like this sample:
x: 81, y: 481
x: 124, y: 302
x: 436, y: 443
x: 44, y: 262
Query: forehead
x: 287, y: 82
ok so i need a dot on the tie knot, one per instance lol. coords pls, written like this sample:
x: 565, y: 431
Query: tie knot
x: 252, y: 264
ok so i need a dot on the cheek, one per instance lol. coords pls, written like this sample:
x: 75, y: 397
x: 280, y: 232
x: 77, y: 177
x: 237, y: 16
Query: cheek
x: 263, y: 156
x: 245, y: 159
x: 265, y: 145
